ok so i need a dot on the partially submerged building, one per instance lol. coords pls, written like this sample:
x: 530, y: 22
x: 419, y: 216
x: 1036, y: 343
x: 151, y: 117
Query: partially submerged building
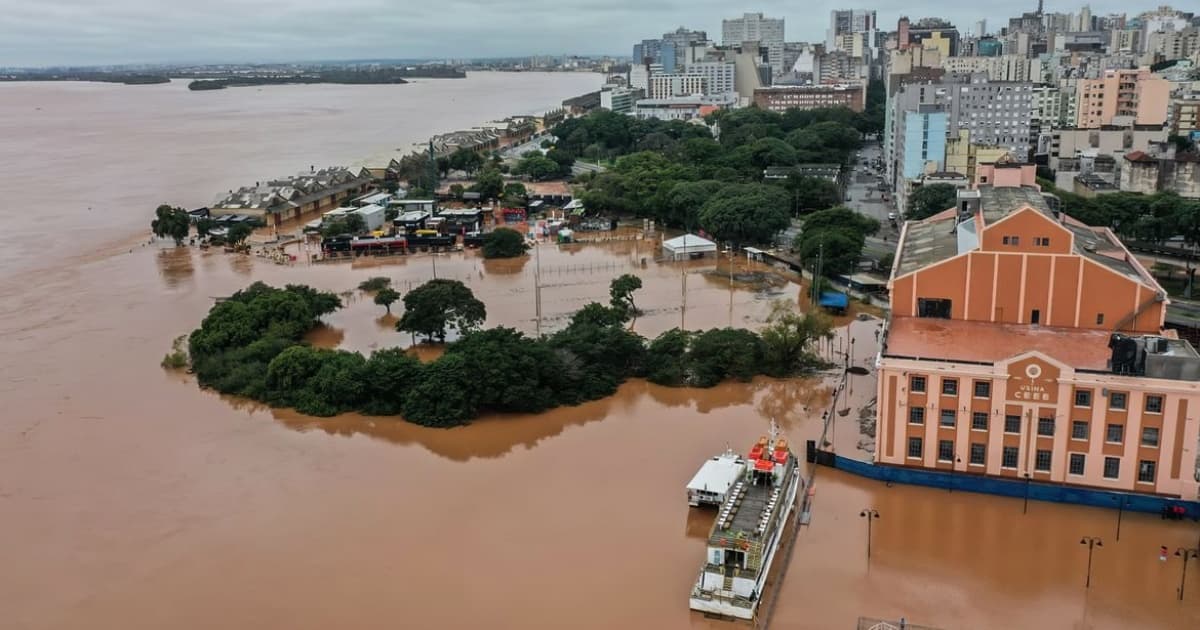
x: 1024, y: 344
x: 275, y: 201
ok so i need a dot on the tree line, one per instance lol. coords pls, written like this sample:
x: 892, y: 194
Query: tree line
x: 681, y: 175
x: 252, y: 345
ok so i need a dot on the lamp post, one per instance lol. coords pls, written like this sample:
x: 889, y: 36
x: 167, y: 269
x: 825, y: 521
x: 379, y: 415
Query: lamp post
x: 869, y: 514
x: 1121, y: 501
x: 1092, y: 542
x: 1025, y: 509
x: 1186, y: 554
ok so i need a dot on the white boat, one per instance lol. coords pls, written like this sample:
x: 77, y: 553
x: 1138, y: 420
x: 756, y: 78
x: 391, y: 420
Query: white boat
x: 746, y: 534
x: 715, y: 478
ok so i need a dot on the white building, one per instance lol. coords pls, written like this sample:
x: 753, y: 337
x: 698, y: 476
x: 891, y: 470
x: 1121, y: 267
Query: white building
x: 1001, y: 68
x: 616, y: 98
x: 720, y: 77
x: 753, y: 27
x: 682, y: 107
x: 668, y: 85
x: 688, y: 246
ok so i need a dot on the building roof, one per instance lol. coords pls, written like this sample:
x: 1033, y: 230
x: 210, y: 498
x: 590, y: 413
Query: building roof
x: 989, y: 342
x: 292, y: 192
x: 1139, y: 156
x: 690, y: 241
x: 935, y: 239
x: 718, y: 474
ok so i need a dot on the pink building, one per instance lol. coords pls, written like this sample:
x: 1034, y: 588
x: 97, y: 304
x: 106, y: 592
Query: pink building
x: 1135, y: 95
x: 1024, y: 344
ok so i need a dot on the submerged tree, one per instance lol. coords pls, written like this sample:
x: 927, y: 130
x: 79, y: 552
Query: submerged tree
x: 386, y: 297
x: 172, y: 222
x: 789, y: 334
x: 503, y: 243
x: 621, y: 293
x: 440, y: 304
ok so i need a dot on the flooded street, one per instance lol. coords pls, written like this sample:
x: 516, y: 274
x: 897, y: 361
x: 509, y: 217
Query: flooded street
x: 133, y: 499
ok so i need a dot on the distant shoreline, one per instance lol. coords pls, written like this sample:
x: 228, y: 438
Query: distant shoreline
x: 385, y: 76
x: 98, y: 77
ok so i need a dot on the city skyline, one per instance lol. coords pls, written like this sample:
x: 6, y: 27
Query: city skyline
x: 78, y: 32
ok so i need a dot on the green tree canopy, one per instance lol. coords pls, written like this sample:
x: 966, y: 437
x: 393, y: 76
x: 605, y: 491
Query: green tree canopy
x: 621, y: 291
x: 440, y: 304
x: 812, y: 193
x: 537, y: 167
x: 503, y: 243
x: 171, y: 222
x: 746, y: 213
x: 927, y: 201
x: 388, y: 375
x: 238, y: 233
x: 465, y: 160
x: 788, y: 336
x: 685, y: 201
x: 490, y: 184
x: 386, y: 297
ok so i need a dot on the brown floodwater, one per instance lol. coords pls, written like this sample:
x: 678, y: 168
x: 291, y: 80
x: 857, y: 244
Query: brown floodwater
x: 130, y: 498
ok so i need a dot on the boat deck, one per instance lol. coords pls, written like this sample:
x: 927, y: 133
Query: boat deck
x: 746, y: 512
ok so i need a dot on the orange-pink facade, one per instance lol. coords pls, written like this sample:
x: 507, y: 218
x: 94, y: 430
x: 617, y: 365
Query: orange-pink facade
x: 1134, y: 94
x: 996, y: 360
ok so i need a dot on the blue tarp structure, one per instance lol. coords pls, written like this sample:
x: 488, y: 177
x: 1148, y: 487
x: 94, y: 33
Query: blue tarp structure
x: 834, y: 301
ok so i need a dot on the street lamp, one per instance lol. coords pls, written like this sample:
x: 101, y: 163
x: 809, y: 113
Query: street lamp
x: 1122, y: 500
x: 1186, y: 554
x: 869, y: 514
x: 1092, y: 542
x: 1025, y: 509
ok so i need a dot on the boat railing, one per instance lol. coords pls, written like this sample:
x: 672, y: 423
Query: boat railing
x: 748, y: 574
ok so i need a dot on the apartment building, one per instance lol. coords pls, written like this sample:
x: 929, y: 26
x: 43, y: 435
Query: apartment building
x: 1068, y: 145
x: 720, y: 77
x: 1001, y: 68
x: 1136, y: 95
x: 1023, y: 344
x: 779, y: 98
x: 753, y: 27
x: 668, y: 85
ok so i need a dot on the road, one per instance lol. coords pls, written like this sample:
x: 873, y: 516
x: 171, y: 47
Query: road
x: 865, y: 197
x: 515, y: 151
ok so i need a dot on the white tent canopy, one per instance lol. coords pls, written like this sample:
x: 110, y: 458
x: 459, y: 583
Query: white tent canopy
x: 683, y: 247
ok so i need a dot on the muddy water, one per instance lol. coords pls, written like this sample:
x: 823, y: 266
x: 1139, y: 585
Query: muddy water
x: 129, y: 498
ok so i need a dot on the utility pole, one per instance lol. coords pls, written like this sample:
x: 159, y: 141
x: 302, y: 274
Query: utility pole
x: 1092, y: 542
x: 1186, y: 554
x: 731, y: 256
x: 869, y: 514
x: 537, y: 285
x: 683, y: 294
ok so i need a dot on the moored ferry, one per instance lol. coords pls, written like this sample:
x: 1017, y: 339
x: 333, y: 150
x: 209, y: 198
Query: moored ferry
x: 746, y: 534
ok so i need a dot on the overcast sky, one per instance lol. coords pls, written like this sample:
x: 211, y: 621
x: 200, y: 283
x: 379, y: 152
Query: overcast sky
x: 79, y: 32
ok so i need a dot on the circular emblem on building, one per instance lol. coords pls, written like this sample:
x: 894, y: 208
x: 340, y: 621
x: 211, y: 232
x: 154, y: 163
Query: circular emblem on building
x: 1033, y: 370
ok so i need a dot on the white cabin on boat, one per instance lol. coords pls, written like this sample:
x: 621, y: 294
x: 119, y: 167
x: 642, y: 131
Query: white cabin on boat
x: 715, y: 478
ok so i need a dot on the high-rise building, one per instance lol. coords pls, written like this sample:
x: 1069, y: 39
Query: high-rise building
x: 669, y: 85
x: 850, y: 22
x: 1134, y: 95
x: 1023, y: 344
x: 928, y: 33
x: 720, y: 77
x: 1002, y: 68
x: 753, y: 27
x: 682, y: 40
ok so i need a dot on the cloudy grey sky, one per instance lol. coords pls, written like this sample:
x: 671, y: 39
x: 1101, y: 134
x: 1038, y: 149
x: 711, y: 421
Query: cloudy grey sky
x: 62, y: 32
